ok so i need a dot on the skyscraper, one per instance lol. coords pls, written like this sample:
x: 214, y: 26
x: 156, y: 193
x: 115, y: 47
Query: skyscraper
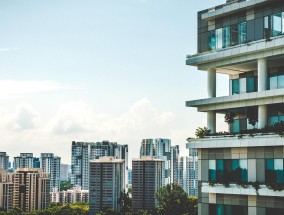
x: 25, y: 160
x: 243, y: 40
x: 65, y: 172
x: 174, y: 163
x: 27, y: 189
x: 147, y: 178
x: 148, y: 148
x: 83, y: 152
x: 4, y: 161
x: 51, y: 164
x: 107, y: 180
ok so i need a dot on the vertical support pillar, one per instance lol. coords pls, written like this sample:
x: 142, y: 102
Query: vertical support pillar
x: 211, y: 89
x: 262, y: 86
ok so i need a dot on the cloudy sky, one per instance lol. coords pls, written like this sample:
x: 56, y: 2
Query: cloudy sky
x: 97, y: 70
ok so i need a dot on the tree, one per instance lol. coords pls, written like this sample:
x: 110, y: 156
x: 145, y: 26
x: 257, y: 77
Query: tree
x: 65, y: 185
x: 192, y: 205
x: 174, y: 201
x: 125, y: 203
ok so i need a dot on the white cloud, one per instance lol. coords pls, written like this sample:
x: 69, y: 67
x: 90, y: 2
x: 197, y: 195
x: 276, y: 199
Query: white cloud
x: 14, y: 89
x: 8, y: 49
x: 24, y: 117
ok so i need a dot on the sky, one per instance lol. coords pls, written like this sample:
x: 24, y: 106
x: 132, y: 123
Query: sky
x: 93, y: 70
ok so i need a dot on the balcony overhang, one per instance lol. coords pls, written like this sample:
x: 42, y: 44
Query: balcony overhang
x: 233, y: 141
x: 234, y: 60
x: 221, y: 104
x: 233, y: 7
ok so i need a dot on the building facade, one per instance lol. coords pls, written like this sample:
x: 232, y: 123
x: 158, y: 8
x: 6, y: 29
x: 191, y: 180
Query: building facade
x: 4, y: 161
x: 147, y: 178
x: 174, y: 163
x: 51, y: 164
x: 83, y: 152
x: 25, y: 160
x: 76, y: 194
x: 65, y: 172
x: 239, y: 170
x: 6, y: 190
x: 107, y: 181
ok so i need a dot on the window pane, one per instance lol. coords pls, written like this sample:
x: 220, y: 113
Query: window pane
x: 236, y: 126
x: 220, y: 210
x: 235, y: 34
x: 212, y: 40
x: 273, y: 82
x: 282, y: 22
x: 243, y: 85
x: 226, y: 37
x: 219, y: 43
x: 276, y: 24
x: 242, y: 33
x: 270, y: 174
x: 281, y: 118
x: 280, y: 81
x: 228, y: 209
x: 212, y: 170
x: 235, y: 86
x: 250, y: 84
x: 273, y: 119
x: 266, y: 27
x: 219, y: 170
x: 244, y: 170
x: 278, y: 167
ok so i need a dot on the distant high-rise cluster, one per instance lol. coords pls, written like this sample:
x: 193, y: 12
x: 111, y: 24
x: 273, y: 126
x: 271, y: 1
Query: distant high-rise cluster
x: 83, y: 152
x: 4, y: 161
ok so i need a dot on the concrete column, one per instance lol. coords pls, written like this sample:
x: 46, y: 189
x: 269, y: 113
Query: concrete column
x: 211, y: 89
x: 262, y: 116
x: 211, y: 121
x: 262, y: 74
x: 211, y: 83
x: 262, y: 86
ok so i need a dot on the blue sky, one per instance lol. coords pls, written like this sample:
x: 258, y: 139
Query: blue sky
x: 94, y: 70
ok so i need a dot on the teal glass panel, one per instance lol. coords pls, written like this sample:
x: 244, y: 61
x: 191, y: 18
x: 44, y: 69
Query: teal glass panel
x: 270, y: 174
x: 250, y: 84
x: 278, y: 167
x: 226, y: 37
x: 244, y: 170
x: 235, y: 86
x: 267, y: 27
x: 235, y: 127
x: 280, y: 82
x: 234, y: 35
x: 212, y: 170
x: 243, y: 124
x: 273, y: 119
x: 220, y: 210
x: 276, y: 24
x: 243, y: 85
x: 242, y: 32
x: 219, y: 170
x: 228, y: 209
x: 281, y: 118
x: 212, y: 40
x: 219, y: 38
x: 273, y: 82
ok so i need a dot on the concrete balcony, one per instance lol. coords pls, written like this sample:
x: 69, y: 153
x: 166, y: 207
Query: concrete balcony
x: 221, y: 104
x: 233, y: 189
x: 235, y: 141
x: 240, y: 58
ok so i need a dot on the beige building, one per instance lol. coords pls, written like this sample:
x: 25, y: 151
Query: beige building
x: 76, y: 194
x: 26, y: 188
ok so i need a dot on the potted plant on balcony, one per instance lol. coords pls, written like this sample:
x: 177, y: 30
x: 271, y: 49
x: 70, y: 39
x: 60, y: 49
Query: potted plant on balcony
x: 230, y: 117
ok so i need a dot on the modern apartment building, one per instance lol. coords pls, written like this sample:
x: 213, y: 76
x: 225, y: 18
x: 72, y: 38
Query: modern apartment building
x: 4, y: 161
x: 147, y: 178
x: 174, y: 163
x: 65, y: 172
x: 31, y: 189
x: 25, y: 160
x: 107, y: 181
x: 83, y: 152
x: 158, y: 148
x: 51, y: 164
x: 76, y: 194
x: 239, y: 170
x: 6, y: 190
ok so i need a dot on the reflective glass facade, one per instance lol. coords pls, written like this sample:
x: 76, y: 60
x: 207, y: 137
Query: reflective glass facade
x: 274, y: 171
x: 219, y: 209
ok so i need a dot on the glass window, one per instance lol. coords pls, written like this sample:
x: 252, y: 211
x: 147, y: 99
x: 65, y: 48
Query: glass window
x: 234, y: 35
x: 235, y: 86
x: 276, y: 24
x: 282, y: 22
x: 243, y: 85
x: 212, y: 170
x: 219, y: 38
x: 280, y: 81
x: 278, y: 167
x: 235, y: 127
x: 267, y: 27
x: 273, y: 119
x: 250, y: 84
x: 212, y: 40
x: 273, y: 82
x: 242, y: 32
x: 244, y: 170
x: 226, y: 37
x: 274, y: 171
x: 220, y: 210
x: 219, y: 170
x: 281, y: 118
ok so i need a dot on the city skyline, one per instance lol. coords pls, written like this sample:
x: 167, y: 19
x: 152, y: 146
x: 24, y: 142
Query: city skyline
x: 97, y: 71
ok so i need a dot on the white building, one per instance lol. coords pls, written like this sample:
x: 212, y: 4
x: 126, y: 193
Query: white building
x: 76, y: 194
x: 25, y: 160
x: 4, y: 161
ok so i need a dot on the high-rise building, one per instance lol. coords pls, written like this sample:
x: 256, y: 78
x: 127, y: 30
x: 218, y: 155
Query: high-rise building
x: 76, y: 194
x: 65, y: 171
x: 27, y: 189
x: 130, y: 176
x: 36, y: 162
x: 243, y: 40
x: 4, y: 161
x: 174, y: 163
x: 192, y: 173
x: 147, y: 178
x: 51, y: 164
x: 158, y: 148
x: 25, y: 160
x: 83, y: 152
x: 6, y: 190
x: 107, y: 180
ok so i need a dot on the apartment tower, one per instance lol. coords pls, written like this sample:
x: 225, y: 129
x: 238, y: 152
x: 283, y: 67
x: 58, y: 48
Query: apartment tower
x: 4, y: 161
x: 239, y: 171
